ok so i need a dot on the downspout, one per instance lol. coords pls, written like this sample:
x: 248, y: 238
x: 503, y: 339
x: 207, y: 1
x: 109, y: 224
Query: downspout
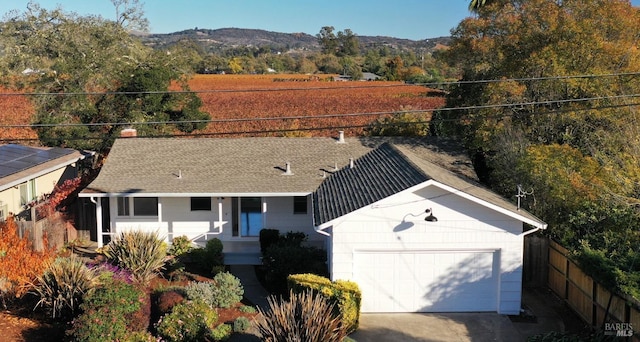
x: 543, y: 227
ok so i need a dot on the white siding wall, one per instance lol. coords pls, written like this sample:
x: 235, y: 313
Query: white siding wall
x: 397, y: 224
x: 178, y: 219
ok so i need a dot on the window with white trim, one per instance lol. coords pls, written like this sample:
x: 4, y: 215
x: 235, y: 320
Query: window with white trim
x: 27, y: 192
x: 300, y: 204
x: 200, y: 203
x: 139, y: 206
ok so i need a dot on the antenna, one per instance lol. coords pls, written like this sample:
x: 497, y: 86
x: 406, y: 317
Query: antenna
x: 522, y: 194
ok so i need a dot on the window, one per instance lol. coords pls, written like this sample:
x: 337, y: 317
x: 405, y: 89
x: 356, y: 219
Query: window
x: 123, y: 206
x: 247, y: 213
x: 142, y: 206
x: 27, y: 192
x: 200, y: 203
x: 300, y: 205
x: 3, y: 212
x: 145, y: 206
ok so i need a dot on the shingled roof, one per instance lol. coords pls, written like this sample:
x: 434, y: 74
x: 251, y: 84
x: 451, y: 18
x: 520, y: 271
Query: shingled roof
x: 392, y: 168
x: 227, y: 166
x: 257, y: 167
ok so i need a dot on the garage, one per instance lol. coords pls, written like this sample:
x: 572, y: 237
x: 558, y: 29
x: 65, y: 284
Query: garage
x: 428, y: 280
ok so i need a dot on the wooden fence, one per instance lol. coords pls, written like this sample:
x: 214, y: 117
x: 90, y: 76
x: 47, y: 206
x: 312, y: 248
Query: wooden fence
x: 35, y: 228
x: 591, y: 301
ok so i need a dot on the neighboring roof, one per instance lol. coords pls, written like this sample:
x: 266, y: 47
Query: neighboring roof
x: 369, y: 76
x: 228, y: 166
x: 392, y: 168
x: 19, y: 163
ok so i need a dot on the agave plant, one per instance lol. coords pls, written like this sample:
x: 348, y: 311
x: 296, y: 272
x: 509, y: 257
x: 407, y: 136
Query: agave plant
x: 305, y: 317
x: 63, y: 284
x: 142, y: 253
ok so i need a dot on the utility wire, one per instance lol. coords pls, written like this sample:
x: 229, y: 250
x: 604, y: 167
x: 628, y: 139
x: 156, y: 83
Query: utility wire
x: 329, y: 116
x: 333, y: 127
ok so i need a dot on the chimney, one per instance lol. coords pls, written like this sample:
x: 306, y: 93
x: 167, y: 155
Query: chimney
x: 340, y: 137
x: 287, y: 171
x: 351, y: 164
x: 128, y: 133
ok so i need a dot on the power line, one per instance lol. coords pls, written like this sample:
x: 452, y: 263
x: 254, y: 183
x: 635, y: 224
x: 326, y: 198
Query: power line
x: 333, y: 127
x: 330, y: 116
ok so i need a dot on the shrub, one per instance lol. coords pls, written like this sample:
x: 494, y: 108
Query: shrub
x: 268, y: 237
x: 111, y: 272
x: 20, y: 265
x: 140, y: 336
x: 180, y: 245
x: 110, y: 313
x: 227, y: 290
x: 305, y: 317
x: 201, y: 291
x: 293, y: 238
x: 247, y: 309
x: 210, y: 258
x: 284, y: 259
x: 221, y: 332
x: 188, y: 321
x: 142, y: 253
x: 63, y: 284
x: 241, y: 324
x: 167, y: 300
x: 344, y: 295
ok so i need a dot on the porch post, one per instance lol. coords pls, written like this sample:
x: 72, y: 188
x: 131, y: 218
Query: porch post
x: 99, y: 232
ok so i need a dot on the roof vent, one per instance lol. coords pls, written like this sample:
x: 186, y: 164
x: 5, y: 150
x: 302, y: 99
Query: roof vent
x: 351, y: 164
x: 287, y: 171
x: 340, y: 137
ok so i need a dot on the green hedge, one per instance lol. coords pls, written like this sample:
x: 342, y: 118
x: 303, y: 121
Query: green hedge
x: 345, y: 295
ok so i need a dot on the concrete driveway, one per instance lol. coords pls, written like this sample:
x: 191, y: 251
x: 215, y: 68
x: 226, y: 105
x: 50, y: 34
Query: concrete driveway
x: 476, y: 327
x: 411, y: 327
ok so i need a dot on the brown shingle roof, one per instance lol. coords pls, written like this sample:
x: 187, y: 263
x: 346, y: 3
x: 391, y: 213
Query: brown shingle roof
x: 236, y: 166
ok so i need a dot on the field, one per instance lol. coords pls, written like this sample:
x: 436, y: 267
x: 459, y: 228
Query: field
x: 276, y: 105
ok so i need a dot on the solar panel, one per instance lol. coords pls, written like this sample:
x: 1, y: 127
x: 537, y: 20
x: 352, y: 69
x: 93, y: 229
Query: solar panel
x: 16, y: 158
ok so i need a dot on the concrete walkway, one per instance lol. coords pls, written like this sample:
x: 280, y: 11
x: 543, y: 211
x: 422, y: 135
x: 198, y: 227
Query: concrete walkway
x: 253, y: 290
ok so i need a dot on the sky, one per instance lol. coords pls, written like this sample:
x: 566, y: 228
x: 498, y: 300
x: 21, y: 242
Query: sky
x: 410, y: 19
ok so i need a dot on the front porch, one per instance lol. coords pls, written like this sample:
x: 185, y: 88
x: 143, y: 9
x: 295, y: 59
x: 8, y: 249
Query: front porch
x: 238, y: 252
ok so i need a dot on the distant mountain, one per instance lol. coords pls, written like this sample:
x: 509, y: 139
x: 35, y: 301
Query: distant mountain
x: 220, y: 39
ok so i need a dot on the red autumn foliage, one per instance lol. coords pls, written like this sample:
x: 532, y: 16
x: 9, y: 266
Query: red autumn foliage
x: 247, y: 97
x: 58, y: 197
x: 19, y: 263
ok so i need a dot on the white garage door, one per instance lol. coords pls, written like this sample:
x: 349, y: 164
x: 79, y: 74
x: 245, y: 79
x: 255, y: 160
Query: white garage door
x: 427, y: 281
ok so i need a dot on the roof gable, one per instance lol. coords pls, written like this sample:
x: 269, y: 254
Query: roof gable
x: 390, y: 169
x: 378, y: 174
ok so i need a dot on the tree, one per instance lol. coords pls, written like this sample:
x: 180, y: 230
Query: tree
x: 130, y: 15
x: 327, y: 40
x: 532, y: 51
x: 405, y: 123
x: 80, y: 62
x: 348, y: 42
x: 343, y: 44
